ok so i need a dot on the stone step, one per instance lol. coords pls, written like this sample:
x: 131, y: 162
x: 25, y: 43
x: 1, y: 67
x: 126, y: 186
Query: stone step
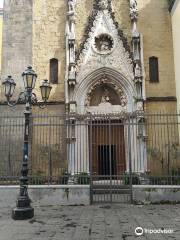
x: 113, y: 186
x: 113, y: 191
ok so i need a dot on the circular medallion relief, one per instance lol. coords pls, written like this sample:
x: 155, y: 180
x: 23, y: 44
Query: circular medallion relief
x: 104, y: 43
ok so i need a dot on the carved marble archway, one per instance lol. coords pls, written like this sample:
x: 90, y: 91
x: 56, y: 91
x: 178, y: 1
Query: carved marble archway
x: 107, y: 77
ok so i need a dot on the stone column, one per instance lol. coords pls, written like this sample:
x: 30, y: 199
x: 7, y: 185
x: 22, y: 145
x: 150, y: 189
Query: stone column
x: 136, y: 45
x: 71, y: 68
x: 140, y: 157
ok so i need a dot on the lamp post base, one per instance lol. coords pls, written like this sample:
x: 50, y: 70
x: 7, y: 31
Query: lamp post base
x: 22, y: 213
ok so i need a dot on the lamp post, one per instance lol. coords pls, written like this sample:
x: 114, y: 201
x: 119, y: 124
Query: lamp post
x: 23, y: 209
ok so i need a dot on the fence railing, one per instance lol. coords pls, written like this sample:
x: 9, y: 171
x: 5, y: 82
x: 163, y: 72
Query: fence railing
x: 79, y: 148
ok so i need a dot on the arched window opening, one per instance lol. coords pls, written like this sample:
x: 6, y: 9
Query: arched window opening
x: 153, y: 70
x: 54, y: 71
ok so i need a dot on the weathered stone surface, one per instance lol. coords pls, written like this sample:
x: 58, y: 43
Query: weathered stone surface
x: 92, y: 222
x: 155, y: 25
x: 48, y: 195
x: 17, y: 39
x: 156, y: 194
x: 49, y: 23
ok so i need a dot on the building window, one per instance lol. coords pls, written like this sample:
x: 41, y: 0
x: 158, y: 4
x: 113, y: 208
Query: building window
x: 153, y: 69
x: 54, y: 71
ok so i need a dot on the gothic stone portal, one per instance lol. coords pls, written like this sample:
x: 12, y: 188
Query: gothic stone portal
x: 103, y: 149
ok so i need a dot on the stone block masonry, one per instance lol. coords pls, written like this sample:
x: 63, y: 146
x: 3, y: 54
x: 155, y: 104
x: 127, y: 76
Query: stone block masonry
x: 17, y: 39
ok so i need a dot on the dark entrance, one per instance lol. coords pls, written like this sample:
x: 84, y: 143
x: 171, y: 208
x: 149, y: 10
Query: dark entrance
x: 107, y: 160
x: 108, y: 148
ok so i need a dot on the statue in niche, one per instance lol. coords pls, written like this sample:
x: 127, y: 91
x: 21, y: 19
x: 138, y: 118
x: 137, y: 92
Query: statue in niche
x: 71, y: 4
x: 104, y: 43
x: 123, y: 101
x: 137, y: 71
x: 103, y: 4
x: 71, y: 15
x: 105, y: 97
x: 133, y: 9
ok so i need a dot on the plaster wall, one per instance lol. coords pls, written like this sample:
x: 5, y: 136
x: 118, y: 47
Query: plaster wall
x: 1, y: 29
x: 47, y: 195
x: 176, y: 41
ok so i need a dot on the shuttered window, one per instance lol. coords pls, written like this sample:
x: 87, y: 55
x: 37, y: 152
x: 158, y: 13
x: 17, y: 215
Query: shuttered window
x: 54, y: 71
x: 153, y: 69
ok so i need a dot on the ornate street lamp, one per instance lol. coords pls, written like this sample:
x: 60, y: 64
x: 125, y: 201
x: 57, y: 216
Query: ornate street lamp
x: 23, y: 209
x: 45, y: 90
x: 9, y: 86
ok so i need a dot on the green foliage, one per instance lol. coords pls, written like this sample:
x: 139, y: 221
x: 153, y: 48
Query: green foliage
x: 135, y: 179
x: 63, y: 179
x: 83, y: 178
x: 38, y: 178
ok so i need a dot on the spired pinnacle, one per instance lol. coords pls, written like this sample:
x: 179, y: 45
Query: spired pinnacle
x: 104, y: 4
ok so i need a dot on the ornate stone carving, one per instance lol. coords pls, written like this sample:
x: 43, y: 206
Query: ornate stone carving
x: 140, y: 106
x: 105, y: 49
x: 104, y: 43
x: 117, y: 58
x: 136, y: 45
x: 133, y: 10
x: 106, y: 96
x: 137, y: 73
x: 71, y: 4
x: 91, y: 27
x: 103, y: 4
x: 71, y: 15
x: 72, y: 107
x: 72, y: 75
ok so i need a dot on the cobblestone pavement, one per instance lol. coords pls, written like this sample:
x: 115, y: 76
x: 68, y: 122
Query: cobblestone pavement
x: 92, y: 222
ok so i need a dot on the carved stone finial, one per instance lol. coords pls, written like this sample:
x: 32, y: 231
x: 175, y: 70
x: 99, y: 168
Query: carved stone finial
x: 103, y: 4
x: 133, y: 10
x: 71, y: 5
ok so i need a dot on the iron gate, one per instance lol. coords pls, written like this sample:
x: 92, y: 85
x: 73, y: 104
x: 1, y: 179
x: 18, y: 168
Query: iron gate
x: 109, y: 157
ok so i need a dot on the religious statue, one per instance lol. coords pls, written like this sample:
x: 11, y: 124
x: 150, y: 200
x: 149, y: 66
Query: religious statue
x: 104, y: 43
x: 123, y: 100
x: 103, y: 4
x: 133, y: 9
x: 105, y: 97
x: 71, y: 15
x: 71, y: 4
x: 137, y: 71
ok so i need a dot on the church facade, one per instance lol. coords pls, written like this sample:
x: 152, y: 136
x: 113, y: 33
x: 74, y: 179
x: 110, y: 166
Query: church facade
x: 80, y: 44
x: 103, y: 58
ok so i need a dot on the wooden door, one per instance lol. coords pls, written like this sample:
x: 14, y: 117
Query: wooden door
x: 108, y: 148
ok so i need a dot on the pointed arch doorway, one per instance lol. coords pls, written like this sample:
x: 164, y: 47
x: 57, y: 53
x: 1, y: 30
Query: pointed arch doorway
x: 107, y: 143
x: 107, y: 96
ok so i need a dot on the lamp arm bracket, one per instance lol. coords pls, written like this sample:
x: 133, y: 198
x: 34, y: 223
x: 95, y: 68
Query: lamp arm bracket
x: 12, y: 104
x: 41, y: 105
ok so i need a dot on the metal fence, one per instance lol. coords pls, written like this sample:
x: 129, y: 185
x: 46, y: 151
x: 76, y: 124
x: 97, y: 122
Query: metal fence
x: 102, y: 150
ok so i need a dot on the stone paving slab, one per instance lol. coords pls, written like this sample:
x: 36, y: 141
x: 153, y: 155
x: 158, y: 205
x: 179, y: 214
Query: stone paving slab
x: 98, y: 222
